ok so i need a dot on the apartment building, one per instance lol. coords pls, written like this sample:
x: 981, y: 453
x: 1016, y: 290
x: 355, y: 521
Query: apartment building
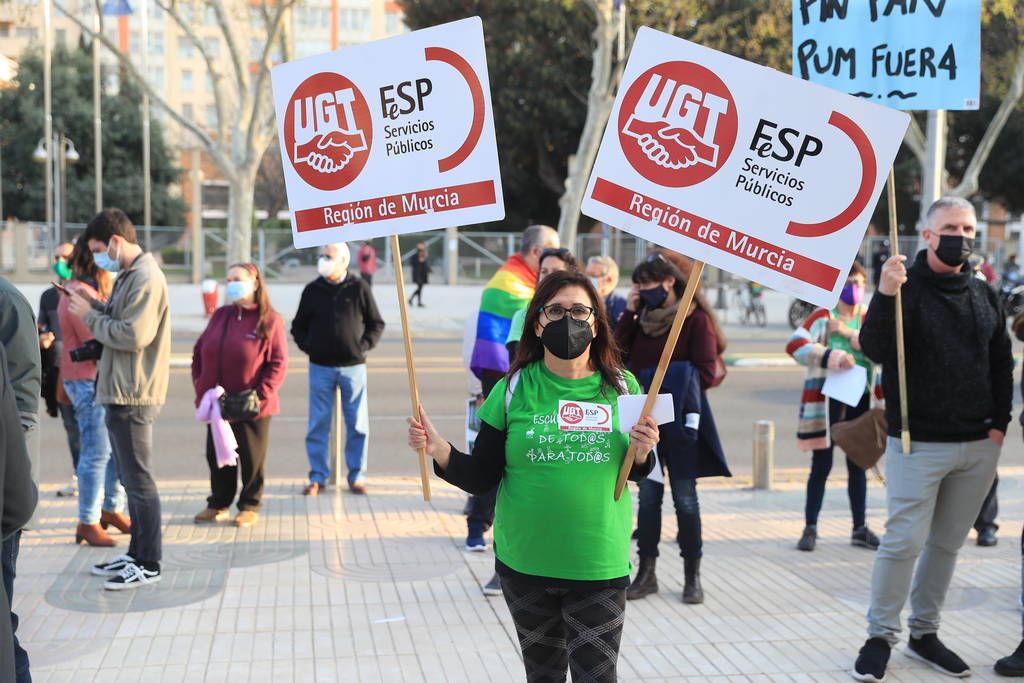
x: 176, y: 69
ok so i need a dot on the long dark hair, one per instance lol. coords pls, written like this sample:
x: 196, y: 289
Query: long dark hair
x: 659, y: 267
x: 263, y: 307
x: 604, y: 352
x: 83, y: 267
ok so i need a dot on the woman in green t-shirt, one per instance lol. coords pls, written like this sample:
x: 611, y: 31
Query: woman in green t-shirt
x: 550, y: 436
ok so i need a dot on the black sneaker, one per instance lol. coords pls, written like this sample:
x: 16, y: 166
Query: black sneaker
x: 112, y: 568
x: 930, y: 650
x: 863, y: 537
x: 808, y: 539
x: 132, y: 576
x: 872, y: 660
x: 1012, y: 666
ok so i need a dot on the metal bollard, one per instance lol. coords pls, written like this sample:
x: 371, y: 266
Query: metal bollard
x: 335, y: 478
x: 764, y: 454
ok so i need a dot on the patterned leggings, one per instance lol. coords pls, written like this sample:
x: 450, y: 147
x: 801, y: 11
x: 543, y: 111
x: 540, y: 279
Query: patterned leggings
x: 562, y: 630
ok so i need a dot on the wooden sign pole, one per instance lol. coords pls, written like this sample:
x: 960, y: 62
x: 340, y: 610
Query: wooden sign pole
x: 901, y: 358
x: 410, y: 363
x: 692, y: 282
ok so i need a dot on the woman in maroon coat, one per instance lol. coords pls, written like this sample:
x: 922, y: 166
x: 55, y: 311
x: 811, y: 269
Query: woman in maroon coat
x: 243, y: 347
x: 641, y: 334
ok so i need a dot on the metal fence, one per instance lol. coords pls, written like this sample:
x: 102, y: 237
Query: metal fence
x: 459, y: 256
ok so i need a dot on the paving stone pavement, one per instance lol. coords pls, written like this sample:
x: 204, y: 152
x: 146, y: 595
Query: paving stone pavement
x: 377, y: 588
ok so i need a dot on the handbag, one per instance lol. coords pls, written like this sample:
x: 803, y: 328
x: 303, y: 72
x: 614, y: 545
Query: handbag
x: 862, y: 438
x: 237, y: 406
x: 720, y: 372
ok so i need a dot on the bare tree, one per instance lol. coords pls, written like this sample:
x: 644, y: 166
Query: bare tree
x: 917, y: 142
x: 605, y: 75
x: 241, y: 92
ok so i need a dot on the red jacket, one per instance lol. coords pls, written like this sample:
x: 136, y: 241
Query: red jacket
x: 244, y: 359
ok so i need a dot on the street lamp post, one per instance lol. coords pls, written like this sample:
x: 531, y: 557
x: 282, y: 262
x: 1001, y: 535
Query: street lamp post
x: 62, y: 152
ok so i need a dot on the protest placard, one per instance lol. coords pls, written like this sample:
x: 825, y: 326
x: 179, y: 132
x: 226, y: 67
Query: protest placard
x: 906, y: 54
x: 389, y: 137
x: 748, y: 169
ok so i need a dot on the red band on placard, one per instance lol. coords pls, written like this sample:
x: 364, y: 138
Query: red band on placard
x: 476, y: 92
x: 396, y: 206
x: 716, y: 235
x: 868, y: 168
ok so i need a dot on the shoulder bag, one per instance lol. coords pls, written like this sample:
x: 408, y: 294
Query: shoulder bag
x: 863, y: 438
x: 236, y: 406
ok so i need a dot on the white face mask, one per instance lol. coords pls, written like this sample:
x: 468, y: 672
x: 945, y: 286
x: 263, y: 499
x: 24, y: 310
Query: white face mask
x: 326, y: 266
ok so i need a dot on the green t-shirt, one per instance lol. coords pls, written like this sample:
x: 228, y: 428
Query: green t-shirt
x: 841, y: 343
x: 556, y: 515
x: 515, y: 330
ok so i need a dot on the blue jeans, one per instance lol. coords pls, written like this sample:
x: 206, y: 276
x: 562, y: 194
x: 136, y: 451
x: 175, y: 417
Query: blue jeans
x: 352, y: 381
x: 684, y: 495
x: 9, y: 556
x: 95, y: 466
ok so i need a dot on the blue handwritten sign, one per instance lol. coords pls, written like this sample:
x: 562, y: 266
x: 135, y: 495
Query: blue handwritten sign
x: 906, y: 54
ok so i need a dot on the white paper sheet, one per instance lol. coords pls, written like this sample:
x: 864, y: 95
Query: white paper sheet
x: 846, y: 385
x: 630, y: 407
x: 656, y: 473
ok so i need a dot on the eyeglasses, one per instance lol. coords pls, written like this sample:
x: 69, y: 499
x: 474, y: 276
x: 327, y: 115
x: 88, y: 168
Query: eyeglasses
x: 555, y: 312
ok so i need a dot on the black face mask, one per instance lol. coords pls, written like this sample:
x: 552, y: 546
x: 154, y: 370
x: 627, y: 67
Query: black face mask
x: 954, y: 250
x: 654, y: 297
x: 567, y: 338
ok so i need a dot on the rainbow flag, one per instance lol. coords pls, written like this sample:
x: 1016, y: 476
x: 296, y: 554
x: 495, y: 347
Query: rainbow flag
x: 509, y: 290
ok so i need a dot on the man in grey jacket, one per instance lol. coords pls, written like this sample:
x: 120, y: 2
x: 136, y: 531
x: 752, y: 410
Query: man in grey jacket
x: 135, y: 331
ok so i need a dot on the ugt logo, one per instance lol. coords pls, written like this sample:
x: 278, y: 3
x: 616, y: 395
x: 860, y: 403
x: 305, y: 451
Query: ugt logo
x: 572, y: 413
x: 677, y: 124
x: 328, y: 131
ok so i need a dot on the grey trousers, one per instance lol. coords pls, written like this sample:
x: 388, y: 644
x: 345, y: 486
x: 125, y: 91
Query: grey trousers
x: 131, y: 441
x: 933, y: 495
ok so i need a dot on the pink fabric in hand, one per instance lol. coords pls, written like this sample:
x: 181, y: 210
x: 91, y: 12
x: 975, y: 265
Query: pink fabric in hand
x: 224, y: 443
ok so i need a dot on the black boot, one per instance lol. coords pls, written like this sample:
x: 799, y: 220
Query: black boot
x: 693, y: 594
x: 645, y: 582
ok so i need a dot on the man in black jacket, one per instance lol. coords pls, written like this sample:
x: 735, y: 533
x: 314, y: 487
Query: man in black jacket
x: 959, y: 390
x: 336, y: 324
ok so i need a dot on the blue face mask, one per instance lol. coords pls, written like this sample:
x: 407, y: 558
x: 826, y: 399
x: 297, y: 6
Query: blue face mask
x: 104, y: 261
x: 654, y: 297
x: 236, y: 291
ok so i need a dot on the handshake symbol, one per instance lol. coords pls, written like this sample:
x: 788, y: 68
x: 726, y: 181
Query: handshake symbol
x: 330, y: 152
x: 669, y: 146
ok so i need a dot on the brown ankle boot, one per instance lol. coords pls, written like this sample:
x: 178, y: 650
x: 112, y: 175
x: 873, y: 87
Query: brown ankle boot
x: 117, y: 520
x: 93, y: 534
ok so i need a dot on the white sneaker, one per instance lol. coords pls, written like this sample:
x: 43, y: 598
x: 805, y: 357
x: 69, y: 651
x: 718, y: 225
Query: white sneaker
x: 114, y: 567
x: 69, y: 491
x: 132, y: 576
